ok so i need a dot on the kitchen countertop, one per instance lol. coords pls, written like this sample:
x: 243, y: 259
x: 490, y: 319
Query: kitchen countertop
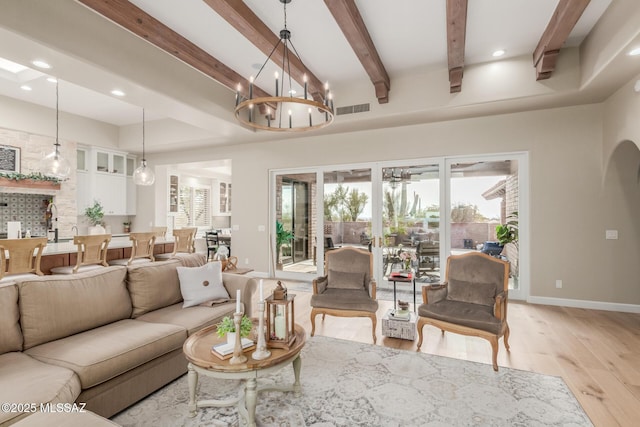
x: 117, y: 241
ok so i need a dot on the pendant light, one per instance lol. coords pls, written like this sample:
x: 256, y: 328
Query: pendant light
x: 53, y: 164
x: 143, y: 175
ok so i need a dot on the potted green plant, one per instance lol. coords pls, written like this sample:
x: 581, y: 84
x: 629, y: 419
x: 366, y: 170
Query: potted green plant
x: 227, y: 327
x: 95, y: 213
x: 282, y: 236
x: 507, y: 235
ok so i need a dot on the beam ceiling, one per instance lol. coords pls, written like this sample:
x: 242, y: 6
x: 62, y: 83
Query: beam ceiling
x: 456, y: 33
x: 348, y: 18
x: 238, y: 14
x: 134, y: 19
x: 558, y: 29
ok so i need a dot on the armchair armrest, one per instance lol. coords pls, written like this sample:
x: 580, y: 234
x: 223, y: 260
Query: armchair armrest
x: 372, y: 288
x: 500, y: 306
x: 434, y: 293
x: 320, y: 285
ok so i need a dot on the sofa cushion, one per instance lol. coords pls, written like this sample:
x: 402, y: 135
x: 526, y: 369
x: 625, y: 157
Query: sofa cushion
x: 475, y: 316
x: 24, y: 379
x: 345, y: 299
x: 76, y: 302
x: 108, y: 351
x: 202, y: 284
x: 345, y: 280
x: 153, y: 286
x: 10, y: 333
x: 193, y: 318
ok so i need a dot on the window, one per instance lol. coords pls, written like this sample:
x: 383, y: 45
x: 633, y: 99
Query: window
x: 194, y: 207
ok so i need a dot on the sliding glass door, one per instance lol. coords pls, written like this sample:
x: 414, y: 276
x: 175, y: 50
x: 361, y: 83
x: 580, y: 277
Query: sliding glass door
x: 411, y: 215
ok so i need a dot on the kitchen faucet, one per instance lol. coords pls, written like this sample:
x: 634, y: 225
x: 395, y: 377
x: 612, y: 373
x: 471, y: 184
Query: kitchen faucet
x: 53, y: 218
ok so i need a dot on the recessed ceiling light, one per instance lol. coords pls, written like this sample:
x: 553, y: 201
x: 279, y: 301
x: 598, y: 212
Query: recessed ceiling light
x: 41, y: 64
x: 52, y: 80
x: 634, y: 52
x: 25, y: 87
x: 498, y: 53
x: 117, y: 92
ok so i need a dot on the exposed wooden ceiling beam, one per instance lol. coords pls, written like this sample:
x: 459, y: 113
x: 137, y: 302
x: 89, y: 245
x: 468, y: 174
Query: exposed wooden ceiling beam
x: 456, y: 34
x: 140, y: 23
x: 238, y: 14
x: 348, y: 17
x: 558, y: 29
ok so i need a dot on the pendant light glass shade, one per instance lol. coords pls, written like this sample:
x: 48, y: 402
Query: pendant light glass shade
x: 53, y: 164
x: 143, y: 175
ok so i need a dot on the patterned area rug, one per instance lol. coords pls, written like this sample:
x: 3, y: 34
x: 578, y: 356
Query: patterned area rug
x: 346, y: 383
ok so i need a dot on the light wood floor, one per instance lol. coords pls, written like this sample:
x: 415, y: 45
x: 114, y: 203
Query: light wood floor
x: 597, y: 353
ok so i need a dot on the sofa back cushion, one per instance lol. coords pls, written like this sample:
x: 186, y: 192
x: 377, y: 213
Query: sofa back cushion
x: 153, y: 286
x: 10, y: 333
x: 57, y: 306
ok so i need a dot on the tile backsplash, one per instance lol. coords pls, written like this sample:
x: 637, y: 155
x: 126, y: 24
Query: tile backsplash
x: 29, y: 209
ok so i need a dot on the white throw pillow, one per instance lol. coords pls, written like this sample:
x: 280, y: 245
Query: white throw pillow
x: 201, y: 284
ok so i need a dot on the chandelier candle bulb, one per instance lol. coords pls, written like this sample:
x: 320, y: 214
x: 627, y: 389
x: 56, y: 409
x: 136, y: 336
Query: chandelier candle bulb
x: 305, y: 86
x: 276, y: 83
x: 251, y: 87
x: 238, y: 89
x: 310, y: 122
x: 289, y: 118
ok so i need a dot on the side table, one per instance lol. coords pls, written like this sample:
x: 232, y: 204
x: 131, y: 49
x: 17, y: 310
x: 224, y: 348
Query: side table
x: 401, y: 279
x: 403, y: 329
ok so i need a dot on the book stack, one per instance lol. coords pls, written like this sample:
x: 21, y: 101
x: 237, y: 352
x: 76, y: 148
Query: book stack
x: 225, y: 350
x: 401, y: 275
x: 400, y: 315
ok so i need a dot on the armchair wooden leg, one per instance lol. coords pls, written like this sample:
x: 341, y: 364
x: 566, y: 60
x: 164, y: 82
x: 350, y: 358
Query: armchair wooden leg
x: 494, y: 352
x: 420, y: 326
x: 374, y: 321
x: 313, y: 322
x: 506, y: 338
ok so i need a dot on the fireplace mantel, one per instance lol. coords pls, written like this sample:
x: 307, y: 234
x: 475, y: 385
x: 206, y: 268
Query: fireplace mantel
x: 29, y: 186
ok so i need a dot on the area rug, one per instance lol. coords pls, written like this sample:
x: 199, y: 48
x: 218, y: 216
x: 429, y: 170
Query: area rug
x: 346, y: 383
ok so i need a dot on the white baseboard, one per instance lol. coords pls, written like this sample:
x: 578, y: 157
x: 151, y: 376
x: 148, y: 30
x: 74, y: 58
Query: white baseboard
x: 577, y: 303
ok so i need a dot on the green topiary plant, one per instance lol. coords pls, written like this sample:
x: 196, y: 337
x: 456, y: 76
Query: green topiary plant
x: 94, y: 213
x: 226, y: 325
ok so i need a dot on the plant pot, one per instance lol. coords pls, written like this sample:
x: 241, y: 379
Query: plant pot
x: 231, y: 338
x: 97, y: 229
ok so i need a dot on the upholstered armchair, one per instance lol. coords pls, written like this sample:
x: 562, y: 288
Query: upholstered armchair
x: 472, y: 301
x: 347, y: 289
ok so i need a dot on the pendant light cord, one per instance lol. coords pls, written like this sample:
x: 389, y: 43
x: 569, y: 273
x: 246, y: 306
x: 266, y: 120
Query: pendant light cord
x: 143, y: 156
x: 57, y: 144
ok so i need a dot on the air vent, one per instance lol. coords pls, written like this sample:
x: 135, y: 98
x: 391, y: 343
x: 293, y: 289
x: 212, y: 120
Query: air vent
x: 351, y: 109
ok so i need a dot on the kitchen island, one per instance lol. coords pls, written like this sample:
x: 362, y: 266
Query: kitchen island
x: 66, y: 253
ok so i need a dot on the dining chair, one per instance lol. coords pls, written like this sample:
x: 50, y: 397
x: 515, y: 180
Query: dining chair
x: 92, y: 254
x: 20, y: 258
x: 142, y: 245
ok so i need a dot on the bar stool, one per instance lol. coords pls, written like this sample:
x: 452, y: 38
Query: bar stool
x: 142, y: 245
x: 183, y: 243
x: 21, y: 262
x: 92, y: 254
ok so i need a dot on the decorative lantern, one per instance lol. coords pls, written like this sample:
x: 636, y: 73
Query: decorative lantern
x: 280, y: 319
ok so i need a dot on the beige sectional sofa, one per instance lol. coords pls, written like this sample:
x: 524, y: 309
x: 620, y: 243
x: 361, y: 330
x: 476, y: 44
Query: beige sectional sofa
x: 105, y: 338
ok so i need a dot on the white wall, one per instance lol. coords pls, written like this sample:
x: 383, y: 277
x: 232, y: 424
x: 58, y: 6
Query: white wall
x: 568, y: 202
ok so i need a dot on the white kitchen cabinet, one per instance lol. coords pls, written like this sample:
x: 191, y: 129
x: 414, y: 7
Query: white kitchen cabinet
x: 102, y: 176
x: 132, y: 190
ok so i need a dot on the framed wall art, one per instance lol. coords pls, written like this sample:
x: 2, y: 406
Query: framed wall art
x: 9, y: 159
